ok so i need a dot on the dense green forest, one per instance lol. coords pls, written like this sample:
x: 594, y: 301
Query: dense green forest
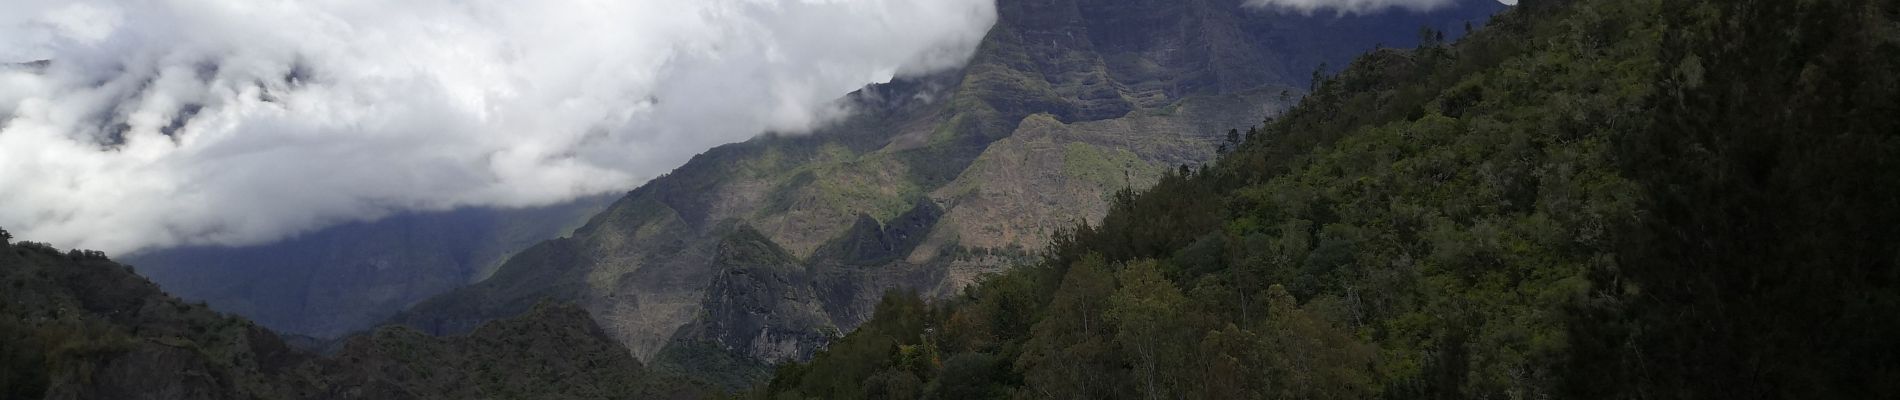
x: 1584, y: 199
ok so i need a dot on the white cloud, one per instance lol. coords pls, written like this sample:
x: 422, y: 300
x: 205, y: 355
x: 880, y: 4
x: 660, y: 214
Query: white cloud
x: 1350, y: 6
x: 306, y: 113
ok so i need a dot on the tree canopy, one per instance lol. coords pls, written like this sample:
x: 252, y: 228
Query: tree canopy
x: 1583, y: 199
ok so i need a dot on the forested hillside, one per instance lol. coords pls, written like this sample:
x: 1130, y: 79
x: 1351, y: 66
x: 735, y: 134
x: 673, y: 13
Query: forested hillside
x: 76, y: 325
x: 1586, y: 199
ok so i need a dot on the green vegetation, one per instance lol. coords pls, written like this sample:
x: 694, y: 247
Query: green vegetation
x: 648, y: 266
x: 63, y: 314
x: 1587, y: 199
x: 77, y: 325
x: 1106, y: 168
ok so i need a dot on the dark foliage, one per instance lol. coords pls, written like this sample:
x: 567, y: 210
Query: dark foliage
x: 1585, y: 199
x: 76, y: 325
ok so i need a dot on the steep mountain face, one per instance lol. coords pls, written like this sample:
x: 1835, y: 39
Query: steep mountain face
x: 350, y: 277
x: 1588, y: 199
x: 78, y: 326
x: 744, y: 253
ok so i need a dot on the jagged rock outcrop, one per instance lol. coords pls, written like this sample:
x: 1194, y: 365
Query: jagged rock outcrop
x: 763, y: 302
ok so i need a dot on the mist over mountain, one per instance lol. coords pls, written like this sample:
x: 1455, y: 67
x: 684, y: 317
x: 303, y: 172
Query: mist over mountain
x: 179, y: 115
x: 760, y: 252
x: 911, y: 199
x: 223, y: 122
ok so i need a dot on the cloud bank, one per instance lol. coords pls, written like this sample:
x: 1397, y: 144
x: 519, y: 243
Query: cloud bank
x: 169, y: 122
x: 1352, y: 6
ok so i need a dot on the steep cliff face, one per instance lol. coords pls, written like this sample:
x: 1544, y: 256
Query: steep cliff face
x: 763, y: 302
x: 763, y: 306
x: 934, y: 180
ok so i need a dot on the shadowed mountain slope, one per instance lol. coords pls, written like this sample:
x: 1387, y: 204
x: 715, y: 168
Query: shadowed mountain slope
x: 76, y: 325
x: 349, y: 277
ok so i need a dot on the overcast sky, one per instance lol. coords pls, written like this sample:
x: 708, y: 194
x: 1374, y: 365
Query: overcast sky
x: 308, y: 113
x: 169, y: 122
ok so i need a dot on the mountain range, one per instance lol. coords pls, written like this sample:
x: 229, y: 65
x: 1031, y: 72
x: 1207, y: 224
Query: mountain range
x: 761, y: 252
x: 1590, y: 199
x: 341, y: 280
x: 1121, y: 199
x: 1147, y: 86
